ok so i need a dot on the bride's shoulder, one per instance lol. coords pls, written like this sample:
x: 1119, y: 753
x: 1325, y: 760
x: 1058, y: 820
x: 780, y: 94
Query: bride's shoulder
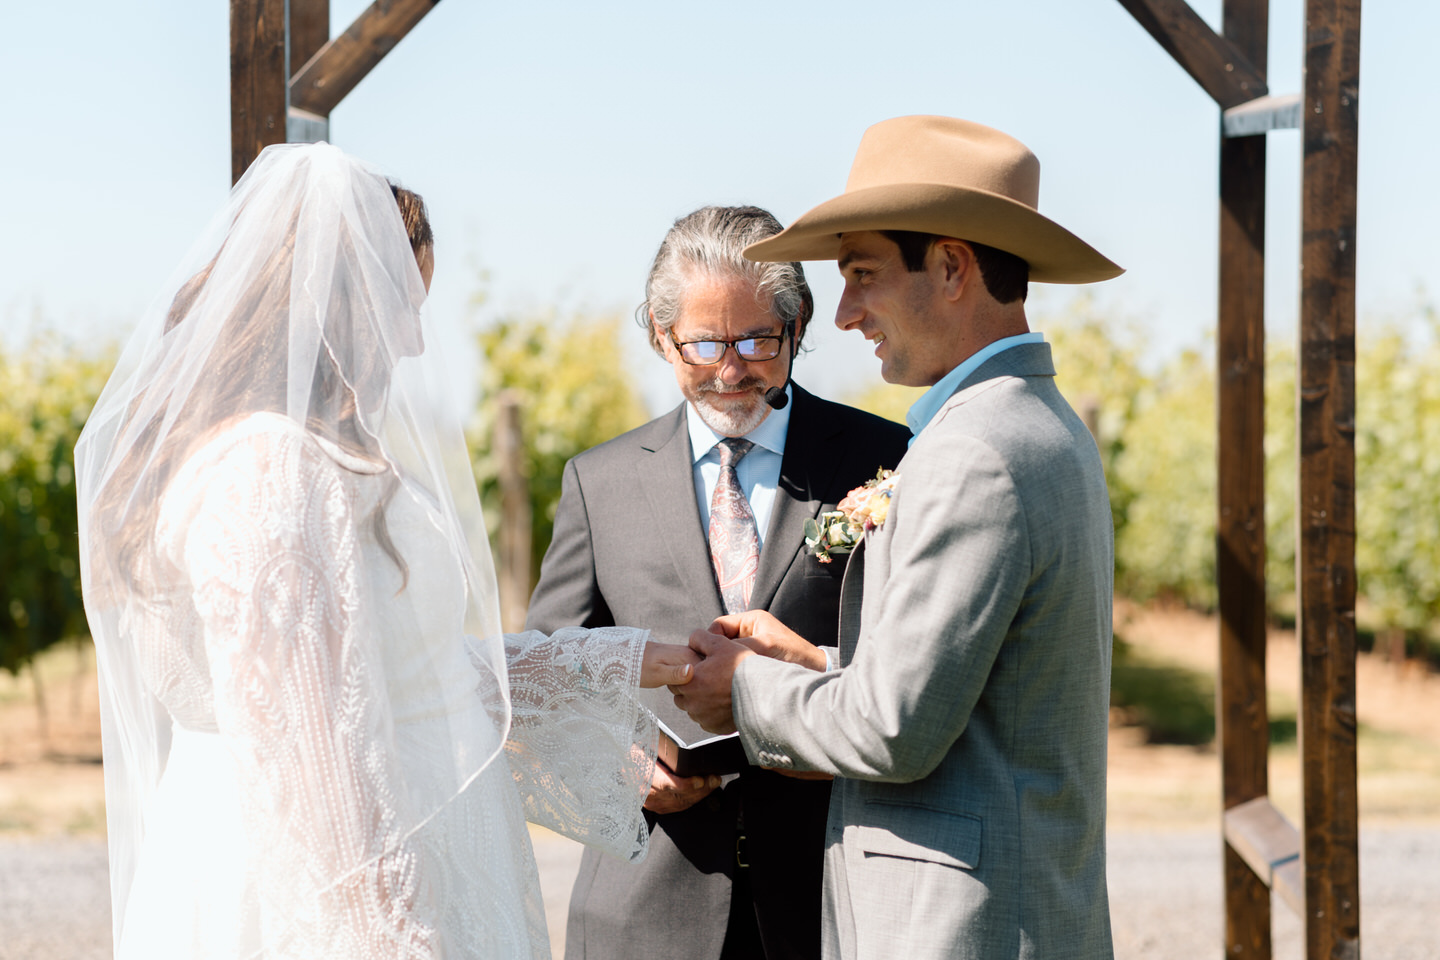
x: 257, y: 442
x: 258, y: 455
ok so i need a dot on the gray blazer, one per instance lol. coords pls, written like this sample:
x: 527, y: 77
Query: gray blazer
x: 968, y: 719
x: 629, y: 549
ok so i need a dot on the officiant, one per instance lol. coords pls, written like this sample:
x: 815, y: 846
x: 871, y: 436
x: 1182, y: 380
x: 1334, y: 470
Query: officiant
x: 698, y: 513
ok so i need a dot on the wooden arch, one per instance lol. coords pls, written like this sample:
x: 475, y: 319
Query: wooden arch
x: 1314, y: 869
x: 286, y: 75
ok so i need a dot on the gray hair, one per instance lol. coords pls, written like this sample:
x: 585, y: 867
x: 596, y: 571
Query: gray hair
x: 710, y: 241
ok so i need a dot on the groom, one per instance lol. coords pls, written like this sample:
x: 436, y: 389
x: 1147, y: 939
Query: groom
x: 966, y: 721
x: 733, y: 872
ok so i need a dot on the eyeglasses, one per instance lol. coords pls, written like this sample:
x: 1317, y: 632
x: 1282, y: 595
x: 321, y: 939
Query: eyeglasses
x: 705, y: 353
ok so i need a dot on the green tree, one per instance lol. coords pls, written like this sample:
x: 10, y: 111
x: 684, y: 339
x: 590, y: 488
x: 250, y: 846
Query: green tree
x: 1098, y: 369
x: 46, y: 393
x: 888, y: 400
x: 1166, y: 543
x: 1280, y: 468
x: 575, y: 392
x: 1157, y: 440
x: 1397, y: 498
x: 1397, y: 467
x: 1099, y: 372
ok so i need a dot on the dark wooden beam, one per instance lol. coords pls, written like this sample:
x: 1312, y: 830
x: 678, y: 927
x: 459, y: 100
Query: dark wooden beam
x: 309, y: 30
x: 343, y: 62
x: 1326, y: 508
x: 1222, y: 68
x: 257, y: 80
x: 1243, y: 714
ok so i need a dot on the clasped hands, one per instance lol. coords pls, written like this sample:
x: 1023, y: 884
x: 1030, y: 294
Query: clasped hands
x: 699, y: 677
x: 730, y: 639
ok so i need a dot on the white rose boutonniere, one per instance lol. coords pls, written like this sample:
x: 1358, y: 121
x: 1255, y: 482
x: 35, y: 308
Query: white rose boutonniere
x: 864, y: 508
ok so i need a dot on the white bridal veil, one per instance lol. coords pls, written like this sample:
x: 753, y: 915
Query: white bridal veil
x: 269, y: 427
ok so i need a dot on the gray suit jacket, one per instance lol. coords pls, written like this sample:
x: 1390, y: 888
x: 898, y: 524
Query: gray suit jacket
x: 969, y: 717
x: 629, y: 549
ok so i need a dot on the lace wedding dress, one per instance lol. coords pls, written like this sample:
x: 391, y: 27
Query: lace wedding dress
x: 317, y: 694
x: 318, y: 744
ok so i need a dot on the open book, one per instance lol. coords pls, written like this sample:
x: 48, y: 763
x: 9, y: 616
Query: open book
x: 687, y: 749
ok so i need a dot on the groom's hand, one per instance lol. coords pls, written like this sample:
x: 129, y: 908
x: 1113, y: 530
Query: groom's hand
x: 707, y: 696
x: 761, y: 632
x: 670, y: 793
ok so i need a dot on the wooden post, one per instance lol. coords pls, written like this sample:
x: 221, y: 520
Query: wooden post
x: 1326, y: 509
x: 258, y: 91
x: 42, y: 705
x: 1261, y: 847
x: 309, y: 30
x: 309, y: 33
x: 1242, y: 714
x: 286, y: 75
x: 514, y: 560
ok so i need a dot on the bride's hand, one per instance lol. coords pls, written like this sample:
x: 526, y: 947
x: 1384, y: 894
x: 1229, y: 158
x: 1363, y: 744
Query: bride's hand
x: 667, y: 664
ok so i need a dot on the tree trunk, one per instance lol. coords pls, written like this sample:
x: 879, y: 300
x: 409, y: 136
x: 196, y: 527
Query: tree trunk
x: 42, y: 710
x: 77, y: 680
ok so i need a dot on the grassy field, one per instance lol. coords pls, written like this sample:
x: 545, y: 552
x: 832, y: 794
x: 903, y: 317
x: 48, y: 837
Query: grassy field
x: 1178, y: 784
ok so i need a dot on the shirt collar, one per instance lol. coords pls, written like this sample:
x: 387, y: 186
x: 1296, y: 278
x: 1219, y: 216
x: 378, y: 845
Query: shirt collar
x: 930, y: 402
x: 770, y: 434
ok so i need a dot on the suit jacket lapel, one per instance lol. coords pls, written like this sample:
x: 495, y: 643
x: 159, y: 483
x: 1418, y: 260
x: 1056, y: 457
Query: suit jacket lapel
x: 1025, y: 360
x: 665, y: 470
x: 804, y: 470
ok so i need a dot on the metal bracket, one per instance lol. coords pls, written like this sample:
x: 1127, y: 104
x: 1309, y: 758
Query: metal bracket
x: 1270, y: 844
x: 302, y: 126
x: 1262, y: 115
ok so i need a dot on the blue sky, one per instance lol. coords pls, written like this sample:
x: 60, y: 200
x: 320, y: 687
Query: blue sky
x: 556, y: 141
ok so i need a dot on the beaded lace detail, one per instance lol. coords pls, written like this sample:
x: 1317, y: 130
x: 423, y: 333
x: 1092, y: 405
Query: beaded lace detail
x: 376, y: 786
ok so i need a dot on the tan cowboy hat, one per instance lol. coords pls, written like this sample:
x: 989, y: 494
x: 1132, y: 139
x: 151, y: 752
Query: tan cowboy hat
x: 950, y: 177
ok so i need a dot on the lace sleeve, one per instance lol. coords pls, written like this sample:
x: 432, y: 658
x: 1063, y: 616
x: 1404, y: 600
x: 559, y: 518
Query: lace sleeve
x: 272, y: 554
x: 581, y: 746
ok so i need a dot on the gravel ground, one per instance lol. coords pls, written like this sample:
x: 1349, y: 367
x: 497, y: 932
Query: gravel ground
x: 54, y: 900
x: 1165, y: 896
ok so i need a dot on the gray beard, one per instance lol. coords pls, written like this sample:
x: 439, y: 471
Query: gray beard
x: 736, y: 421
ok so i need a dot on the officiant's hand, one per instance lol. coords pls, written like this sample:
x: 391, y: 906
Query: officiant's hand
x: 761, y: 632
x: 670, y: 793
x: 707, y: 696
x: 667, y: 664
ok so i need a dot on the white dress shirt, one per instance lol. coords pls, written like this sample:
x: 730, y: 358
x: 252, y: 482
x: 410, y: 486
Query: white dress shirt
x: 758, y: 472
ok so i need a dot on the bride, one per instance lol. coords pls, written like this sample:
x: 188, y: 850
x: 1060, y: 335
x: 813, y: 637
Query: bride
x: 318, y: 744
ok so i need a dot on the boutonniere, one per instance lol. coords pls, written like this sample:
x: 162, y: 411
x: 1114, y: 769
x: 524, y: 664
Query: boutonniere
x: 864, y: 508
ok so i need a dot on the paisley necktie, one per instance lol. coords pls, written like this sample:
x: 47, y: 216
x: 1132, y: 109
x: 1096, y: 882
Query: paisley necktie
x: 734, y: 544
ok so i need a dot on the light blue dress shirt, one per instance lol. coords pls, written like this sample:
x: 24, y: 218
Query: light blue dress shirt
x: 758, y: 472
x: 922, y: 411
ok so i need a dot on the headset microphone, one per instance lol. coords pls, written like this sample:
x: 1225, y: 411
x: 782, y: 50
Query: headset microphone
x: 775, y: 396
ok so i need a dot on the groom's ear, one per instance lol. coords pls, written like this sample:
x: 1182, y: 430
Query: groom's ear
x: 956, y: 266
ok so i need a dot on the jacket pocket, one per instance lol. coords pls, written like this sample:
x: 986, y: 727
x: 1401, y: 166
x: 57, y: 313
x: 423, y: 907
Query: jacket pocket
x: 890, y: 829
